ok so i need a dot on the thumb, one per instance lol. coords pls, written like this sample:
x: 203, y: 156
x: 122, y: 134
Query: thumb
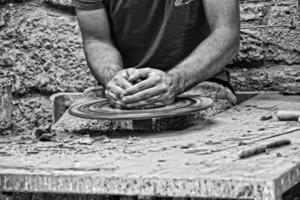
x: 132, y: 74
x: 139, y: 74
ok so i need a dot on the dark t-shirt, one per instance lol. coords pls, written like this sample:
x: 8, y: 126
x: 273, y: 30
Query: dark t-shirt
x: 155, y: 33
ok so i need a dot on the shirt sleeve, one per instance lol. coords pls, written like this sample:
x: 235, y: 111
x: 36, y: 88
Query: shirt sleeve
x: 88, y: 4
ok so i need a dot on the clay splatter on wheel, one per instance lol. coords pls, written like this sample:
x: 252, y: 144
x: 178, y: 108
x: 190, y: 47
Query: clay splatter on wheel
x: 101, y: 109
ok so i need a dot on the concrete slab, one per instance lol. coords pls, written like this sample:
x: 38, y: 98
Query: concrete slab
x: 201, y: 161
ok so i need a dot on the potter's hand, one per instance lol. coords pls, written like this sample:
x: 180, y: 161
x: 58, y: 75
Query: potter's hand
x: 116, y: 87
x: 152, y: 88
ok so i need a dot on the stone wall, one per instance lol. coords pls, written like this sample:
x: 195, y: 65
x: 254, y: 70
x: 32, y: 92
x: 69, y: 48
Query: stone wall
x: 43, y: 47
x: 45, y: 52
x: 270, y: 45
x: 269, y: 31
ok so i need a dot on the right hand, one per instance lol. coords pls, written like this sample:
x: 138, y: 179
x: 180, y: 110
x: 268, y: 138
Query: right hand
x: 153, y: 88
x: 116, y: 87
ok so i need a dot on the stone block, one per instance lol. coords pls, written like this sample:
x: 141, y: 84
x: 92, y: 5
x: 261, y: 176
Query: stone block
x: 6, y: 82
x: 270, y: 78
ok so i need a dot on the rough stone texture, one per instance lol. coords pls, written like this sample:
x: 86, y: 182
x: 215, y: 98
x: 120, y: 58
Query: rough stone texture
x: 29, y: 113
x: 61, y: 4
x: 266, y: 78
x: 208, y: 166
x: 42, y: 47
x: 5, y: 102
x: 44, y: 51
x: 270, y: 45
x: 49, y: 56
x: 269, y: 33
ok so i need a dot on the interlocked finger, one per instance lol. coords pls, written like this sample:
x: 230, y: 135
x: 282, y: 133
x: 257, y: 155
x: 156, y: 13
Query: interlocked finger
x: 154, y: 101
x: 132, y: 74
x: 111, y: 96
x: 139, y: 74
x: 144, y: 95
x: 142, y: 85
x: 122, y: 82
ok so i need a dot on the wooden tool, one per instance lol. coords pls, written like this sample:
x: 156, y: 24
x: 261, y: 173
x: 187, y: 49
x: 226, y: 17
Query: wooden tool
x: 261, y: 149
x: 288, y: 115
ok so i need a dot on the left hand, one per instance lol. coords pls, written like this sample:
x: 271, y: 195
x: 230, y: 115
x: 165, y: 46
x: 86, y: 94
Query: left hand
x: 154, y: 88
x: 116, y: 87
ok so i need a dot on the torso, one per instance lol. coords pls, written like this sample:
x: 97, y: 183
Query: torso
x: 156, y: 33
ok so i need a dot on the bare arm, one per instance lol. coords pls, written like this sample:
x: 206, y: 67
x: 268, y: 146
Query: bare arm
x: 216, y: 51
x: 103, y: 58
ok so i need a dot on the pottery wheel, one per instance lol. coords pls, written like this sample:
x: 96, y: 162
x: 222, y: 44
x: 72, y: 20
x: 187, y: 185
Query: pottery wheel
x: 101, y: 109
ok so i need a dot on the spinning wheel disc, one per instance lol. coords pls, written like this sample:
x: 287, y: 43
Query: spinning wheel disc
x: 101, y: 109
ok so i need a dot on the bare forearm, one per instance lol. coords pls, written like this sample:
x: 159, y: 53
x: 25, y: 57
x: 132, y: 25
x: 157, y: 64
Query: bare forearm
x: 103, y: 59
x: 206, y: 60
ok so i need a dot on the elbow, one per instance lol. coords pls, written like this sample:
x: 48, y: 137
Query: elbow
x: 236, y: 37
x: 236, y: 44
x: 91, y: 42
x: 230, y: 37
x: 93, y: 45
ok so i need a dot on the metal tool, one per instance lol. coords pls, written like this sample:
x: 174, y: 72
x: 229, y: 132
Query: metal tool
x: 263, y: 148
x: 258, y: 140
